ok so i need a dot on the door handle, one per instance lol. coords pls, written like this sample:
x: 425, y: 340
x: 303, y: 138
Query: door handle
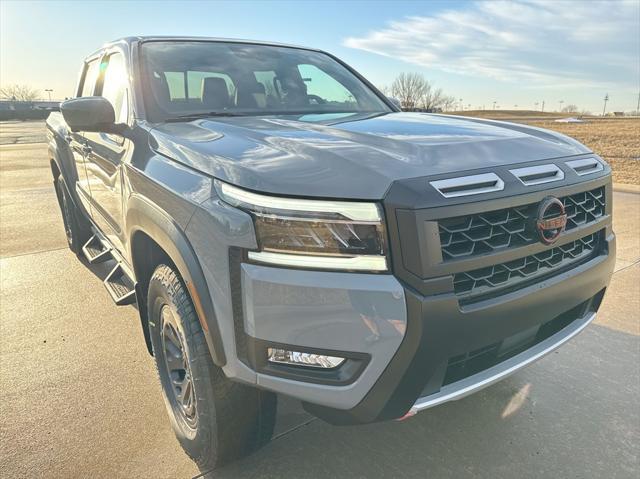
x: 86, y: 149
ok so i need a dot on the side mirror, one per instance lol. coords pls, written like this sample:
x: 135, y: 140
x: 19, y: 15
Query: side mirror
x: 91, y: 113
x: 396, y: 102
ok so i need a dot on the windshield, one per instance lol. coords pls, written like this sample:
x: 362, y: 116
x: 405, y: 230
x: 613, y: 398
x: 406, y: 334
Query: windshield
x: 189, y: 78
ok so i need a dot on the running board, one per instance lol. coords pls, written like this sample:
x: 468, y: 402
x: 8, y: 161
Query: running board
x: 95, y: 250
x: 120, y: 286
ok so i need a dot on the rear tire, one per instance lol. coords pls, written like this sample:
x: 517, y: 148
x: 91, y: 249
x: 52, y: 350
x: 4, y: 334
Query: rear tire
x: 77, y: 229
x: 215, y: 420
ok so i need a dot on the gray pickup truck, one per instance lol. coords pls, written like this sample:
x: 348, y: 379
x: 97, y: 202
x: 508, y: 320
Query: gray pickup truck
x: 282, y: 227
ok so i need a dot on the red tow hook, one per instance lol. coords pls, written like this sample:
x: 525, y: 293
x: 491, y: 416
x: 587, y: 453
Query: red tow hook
x: 409, y: 414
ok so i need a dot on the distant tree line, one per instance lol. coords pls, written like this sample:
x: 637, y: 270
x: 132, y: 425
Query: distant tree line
x: 19, y: 93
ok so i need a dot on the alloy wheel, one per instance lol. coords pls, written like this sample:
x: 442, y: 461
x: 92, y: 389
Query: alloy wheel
x: 178, y: 370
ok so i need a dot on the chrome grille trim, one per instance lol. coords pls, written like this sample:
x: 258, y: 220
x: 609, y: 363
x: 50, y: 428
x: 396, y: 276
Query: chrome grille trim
x: 585, y: 166
x: 537, y: 175
x: 468, y: 185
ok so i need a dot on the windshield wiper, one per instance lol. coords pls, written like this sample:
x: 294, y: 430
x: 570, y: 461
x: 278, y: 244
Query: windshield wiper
x: 208, y: 114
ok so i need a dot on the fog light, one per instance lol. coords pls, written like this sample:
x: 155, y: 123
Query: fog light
x: 297, y: 358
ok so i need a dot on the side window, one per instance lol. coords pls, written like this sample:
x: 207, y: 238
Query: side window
x: 90, y: 76
x: 114, y: 86
x: 323, y: 86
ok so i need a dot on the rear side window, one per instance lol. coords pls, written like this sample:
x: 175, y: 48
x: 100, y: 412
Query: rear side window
x: 90, y: 76
x: 114, y: 86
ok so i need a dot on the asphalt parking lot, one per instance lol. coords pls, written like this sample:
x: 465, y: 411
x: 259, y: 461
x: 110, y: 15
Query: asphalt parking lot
x: 79, y: 395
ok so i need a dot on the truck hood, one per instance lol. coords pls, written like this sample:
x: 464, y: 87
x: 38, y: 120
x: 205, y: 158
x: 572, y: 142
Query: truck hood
x: 348, y: 156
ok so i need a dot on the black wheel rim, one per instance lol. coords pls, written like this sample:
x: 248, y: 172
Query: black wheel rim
x: 178, y: 370
x: 66, y: 214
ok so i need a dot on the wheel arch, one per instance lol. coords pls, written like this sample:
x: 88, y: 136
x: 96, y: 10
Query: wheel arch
x: 55, y: 169
x: 154, y: 236
x: 62, y: 165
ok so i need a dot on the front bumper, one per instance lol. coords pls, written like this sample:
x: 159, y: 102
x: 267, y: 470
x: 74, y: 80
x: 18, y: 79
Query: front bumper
x: 481, y: 380
x: 408, y: 343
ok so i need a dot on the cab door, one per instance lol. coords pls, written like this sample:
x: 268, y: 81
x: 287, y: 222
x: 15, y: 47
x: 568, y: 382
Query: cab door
x: 105, y: 153
x: 76, y: 139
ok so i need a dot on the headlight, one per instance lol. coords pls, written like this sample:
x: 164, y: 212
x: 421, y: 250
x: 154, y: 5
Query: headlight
x: 313, y: 233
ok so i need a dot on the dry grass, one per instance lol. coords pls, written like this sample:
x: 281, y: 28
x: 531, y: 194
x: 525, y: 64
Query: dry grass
x: 513, y: 115
x: 617, y: 140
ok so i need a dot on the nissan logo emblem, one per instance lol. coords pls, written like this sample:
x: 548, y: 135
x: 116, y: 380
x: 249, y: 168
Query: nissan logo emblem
x: 550, y: 220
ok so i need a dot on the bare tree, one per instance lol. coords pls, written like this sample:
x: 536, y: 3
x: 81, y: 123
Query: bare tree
x: 432, y: 98
x: 413, y: 90
x: 409, y: 89
x: 386, y: 90
x: 19, y: 93
x: 448, y: 103
x: 570, y: 108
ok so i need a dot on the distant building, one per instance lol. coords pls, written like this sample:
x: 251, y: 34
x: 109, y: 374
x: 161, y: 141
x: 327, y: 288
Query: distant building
x: 26, y: 110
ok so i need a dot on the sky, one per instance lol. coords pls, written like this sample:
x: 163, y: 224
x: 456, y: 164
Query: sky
x: 519, y: 52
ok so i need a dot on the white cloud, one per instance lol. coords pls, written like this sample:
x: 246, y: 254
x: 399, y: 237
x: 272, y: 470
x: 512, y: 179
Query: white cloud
x: 534, y: 42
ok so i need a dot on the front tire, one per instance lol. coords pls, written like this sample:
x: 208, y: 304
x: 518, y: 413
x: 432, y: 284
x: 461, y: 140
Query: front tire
x: 215, y: 420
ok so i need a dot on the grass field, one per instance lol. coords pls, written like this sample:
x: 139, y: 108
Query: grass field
x: 617, y: 140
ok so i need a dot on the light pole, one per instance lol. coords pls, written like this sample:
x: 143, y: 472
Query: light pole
x: 494, y: 104
x: 561, y: 102
x: 461, y: 104
x: 606, y: 99
x: 49, y: 91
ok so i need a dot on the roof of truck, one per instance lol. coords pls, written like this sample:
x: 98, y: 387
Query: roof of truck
x: 150, y: 38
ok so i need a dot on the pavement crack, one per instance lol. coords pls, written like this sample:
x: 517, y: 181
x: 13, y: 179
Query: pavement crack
x: 33, y: 252
x: 627, y: 266
x: 294, y: 428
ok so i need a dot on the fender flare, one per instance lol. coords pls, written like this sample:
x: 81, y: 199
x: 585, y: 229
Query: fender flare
x: 54, y: 157
x: 60, y: 154
x: 145, y: 217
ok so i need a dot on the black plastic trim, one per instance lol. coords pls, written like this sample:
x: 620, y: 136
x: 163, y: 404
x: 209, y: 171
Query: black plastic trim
x: 145, y: 217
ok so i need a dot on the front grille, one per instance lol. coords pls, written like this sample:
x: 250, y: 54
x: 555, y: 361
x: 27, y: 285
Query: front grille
x: 472, y: 235
x: 516, y: 273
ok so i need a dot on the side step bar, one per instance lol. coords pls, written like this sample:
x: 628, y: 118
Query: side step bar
x: 118, y: 282
x: 96, y: 251
x: 120, y: 286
